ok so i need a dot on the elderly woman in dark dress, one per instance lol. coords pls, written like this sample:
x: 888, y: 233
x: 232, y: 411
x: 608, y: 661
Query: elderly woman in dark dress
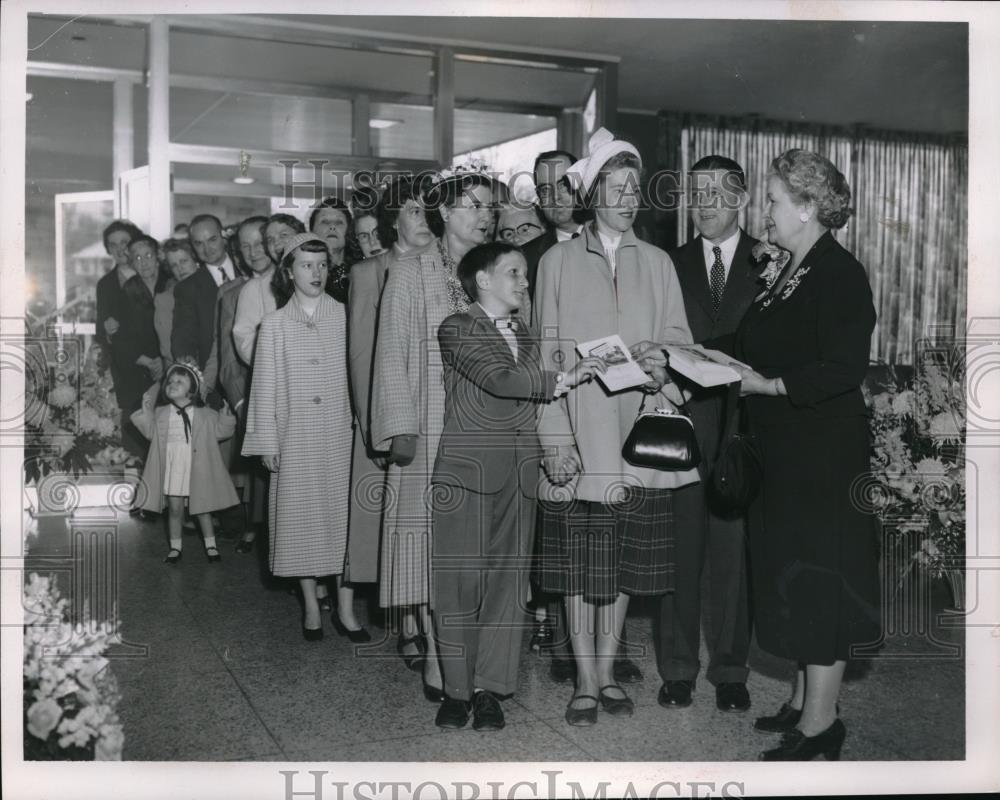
x: 813, y: 552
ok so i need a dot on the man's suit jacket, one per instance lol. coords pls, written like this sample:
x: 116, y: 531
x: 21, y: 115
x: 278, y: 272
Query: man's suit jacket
x: 706, y: 406
x: 490, y: 430
x: 193, y: 331
x: 533, y: 252
x: 109, y: 292
x: 233, y: 373
x: 741, y: 287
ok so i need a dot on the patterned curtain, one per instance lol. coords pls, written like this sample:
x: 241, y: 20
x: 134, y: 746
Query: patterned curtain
x: 910, y: 227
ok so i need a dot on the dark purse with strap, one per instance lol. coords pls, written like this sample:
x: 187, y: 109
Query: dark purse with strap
x: 737, y: 474
x: 662, y: 439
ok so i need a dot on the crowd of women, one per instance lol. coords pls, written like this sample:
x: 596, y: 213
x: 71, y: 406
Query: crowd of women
x: 320, y: 349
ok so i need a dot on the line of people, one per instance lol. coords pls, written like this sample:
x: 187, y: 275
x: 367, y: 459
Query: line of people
x: 426, y: 424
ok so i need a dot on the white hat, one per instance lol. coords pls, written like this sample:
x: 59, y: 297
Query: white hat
x: 601, y: 147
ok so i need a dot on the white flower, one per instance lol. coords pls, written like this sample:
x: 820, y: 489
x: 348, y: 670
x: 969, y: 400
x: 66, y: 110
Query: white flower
x: 931, y: 467
x: 62, y: 396
x: 944, y: 426
x: 43, y: 717
x: 109, y: 745
x: 903, y: 403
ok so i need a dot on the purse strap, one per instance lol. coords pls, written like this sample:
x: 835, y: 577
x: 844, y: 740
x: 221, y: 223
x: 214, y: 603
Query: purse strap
x: 732, y: 413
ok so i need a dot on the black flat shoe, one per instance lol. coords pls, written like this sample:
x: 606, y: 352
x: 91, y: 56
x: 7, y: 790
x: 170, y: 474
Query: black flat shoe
x: 325, y: 604
x: 732, y: 697
x: 487, y: 715
x: 244, y: 546
x: 675, y: 694
x: 432, y: 694
x: 312, y: 634
x: 796, y: 746
x: 626, y: 671
x: 562, y: 670
x: 414, y: 662
x: 360, y: 636
x: 616, y: 706
x: 212, y: 554
x: 453, y: 714
x: 173, y: 556
x: 581, y: 717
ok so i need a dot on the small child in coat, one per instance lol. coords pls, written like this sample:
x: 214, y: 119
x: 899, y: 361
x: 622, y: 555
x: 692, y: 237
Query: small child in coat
x: 484, y: 484
x: 184, y: 462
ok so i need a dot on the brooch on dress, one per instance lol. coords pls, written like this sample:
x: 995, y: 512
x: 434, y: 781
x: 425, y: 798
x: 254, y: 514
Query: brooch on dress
x: 789, y: 287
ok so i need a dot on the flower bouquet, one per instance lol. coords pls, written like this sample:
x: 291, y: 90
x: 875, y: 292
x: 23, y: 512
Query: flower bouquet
x: 918, y: 463
x: 70, y: 693
x: 71, y: 417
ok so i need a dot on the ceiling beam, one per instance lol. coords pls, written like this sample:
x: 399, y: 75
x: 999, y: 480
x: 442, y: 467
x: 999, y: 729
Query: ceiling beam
x: 258, y: 26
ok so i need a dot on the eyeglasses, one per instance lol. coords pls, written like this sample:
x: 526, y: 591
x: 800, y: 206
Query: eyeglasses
x: 522, y: 230
x: 142, y: 257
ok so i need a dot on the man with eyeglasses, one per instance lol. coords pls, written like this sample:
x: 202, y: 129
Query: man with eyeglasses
x: 558, y: 205
x: 519, y: 224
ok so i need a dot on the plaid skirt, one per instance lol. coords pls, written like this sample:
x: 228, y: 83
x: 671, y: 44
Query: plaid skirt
x: 601, y: 549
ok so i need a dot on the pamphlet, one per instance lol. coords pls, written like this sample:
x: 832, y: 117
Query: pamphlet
x: 623, y: 372
x: 704, y: 367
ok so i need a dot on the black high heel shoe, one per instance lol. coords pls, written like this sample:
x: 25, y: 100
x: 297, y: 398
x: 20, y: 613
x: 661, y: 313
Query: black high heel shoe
x: 785, y: 720
x: 245, y: 546
x: 796, y: 746
x: 359, y: 636
x: 312, y: 634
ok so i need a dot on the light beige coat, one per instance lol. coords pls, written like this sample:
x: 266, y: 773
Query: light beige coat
x: 577, y: 299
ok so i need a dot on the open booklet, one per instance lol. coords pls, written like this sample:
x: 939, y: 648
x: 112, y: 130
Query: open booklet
x: 704, y: 367
x: 623, y: 372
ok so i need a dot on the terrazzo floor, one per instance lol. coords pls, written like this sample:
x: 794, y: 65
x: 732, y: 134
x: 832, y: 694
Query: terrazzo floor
x: 213, y: 667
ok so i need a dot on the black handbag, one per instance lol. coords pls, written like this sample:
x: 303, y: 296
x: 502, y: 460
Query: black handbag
x: 662, y: 439
x: 737, y: 473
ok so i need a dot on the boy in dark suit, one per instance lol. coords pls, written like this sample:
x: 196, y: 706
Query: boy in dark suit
x: 484, y: 482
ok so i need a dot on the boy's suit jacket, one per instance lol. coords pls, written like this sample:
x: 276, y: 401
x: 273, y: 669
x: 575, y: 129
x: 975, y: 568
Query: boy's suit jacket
x: 491, y: 402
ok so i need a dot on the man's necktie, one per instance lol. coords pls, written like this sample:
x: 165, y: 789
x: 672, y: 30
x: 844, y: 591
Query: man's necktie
x: 717, y: 280
x: 225, y: 275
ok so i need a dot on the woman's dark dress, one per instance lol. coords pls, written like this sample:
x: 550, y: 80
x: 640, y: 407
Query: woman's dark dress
x: 814, y: 553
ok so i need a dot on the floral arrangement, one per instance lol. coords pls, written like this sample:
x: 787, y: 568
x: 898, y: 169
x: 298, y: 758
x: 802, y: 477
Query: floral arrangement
x: 918, y: 464
x: 70, y: 693
x: 71, y: 417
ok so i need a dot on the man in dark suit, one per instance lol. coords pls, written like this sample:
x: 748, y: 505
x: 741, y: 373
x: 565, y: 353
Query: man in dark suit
x: 110, y: 292
x: 558, y: 205
x: 719, y: 281
x: 193, y: 332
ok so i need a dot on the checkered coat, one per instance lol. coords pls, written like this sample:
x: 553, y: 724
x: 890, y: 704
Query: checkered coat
x: 408, y: 398
x: 300, y: 409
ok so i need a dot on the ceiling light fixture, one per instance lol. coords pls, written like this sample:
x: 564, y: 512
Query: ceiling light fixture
x: 382, y: 124
x: 243, y: 179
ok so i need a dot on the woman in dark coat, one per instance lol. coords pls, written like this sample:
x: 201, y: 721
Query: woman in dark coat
x: 137, y: 348
x: 814, y: 553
